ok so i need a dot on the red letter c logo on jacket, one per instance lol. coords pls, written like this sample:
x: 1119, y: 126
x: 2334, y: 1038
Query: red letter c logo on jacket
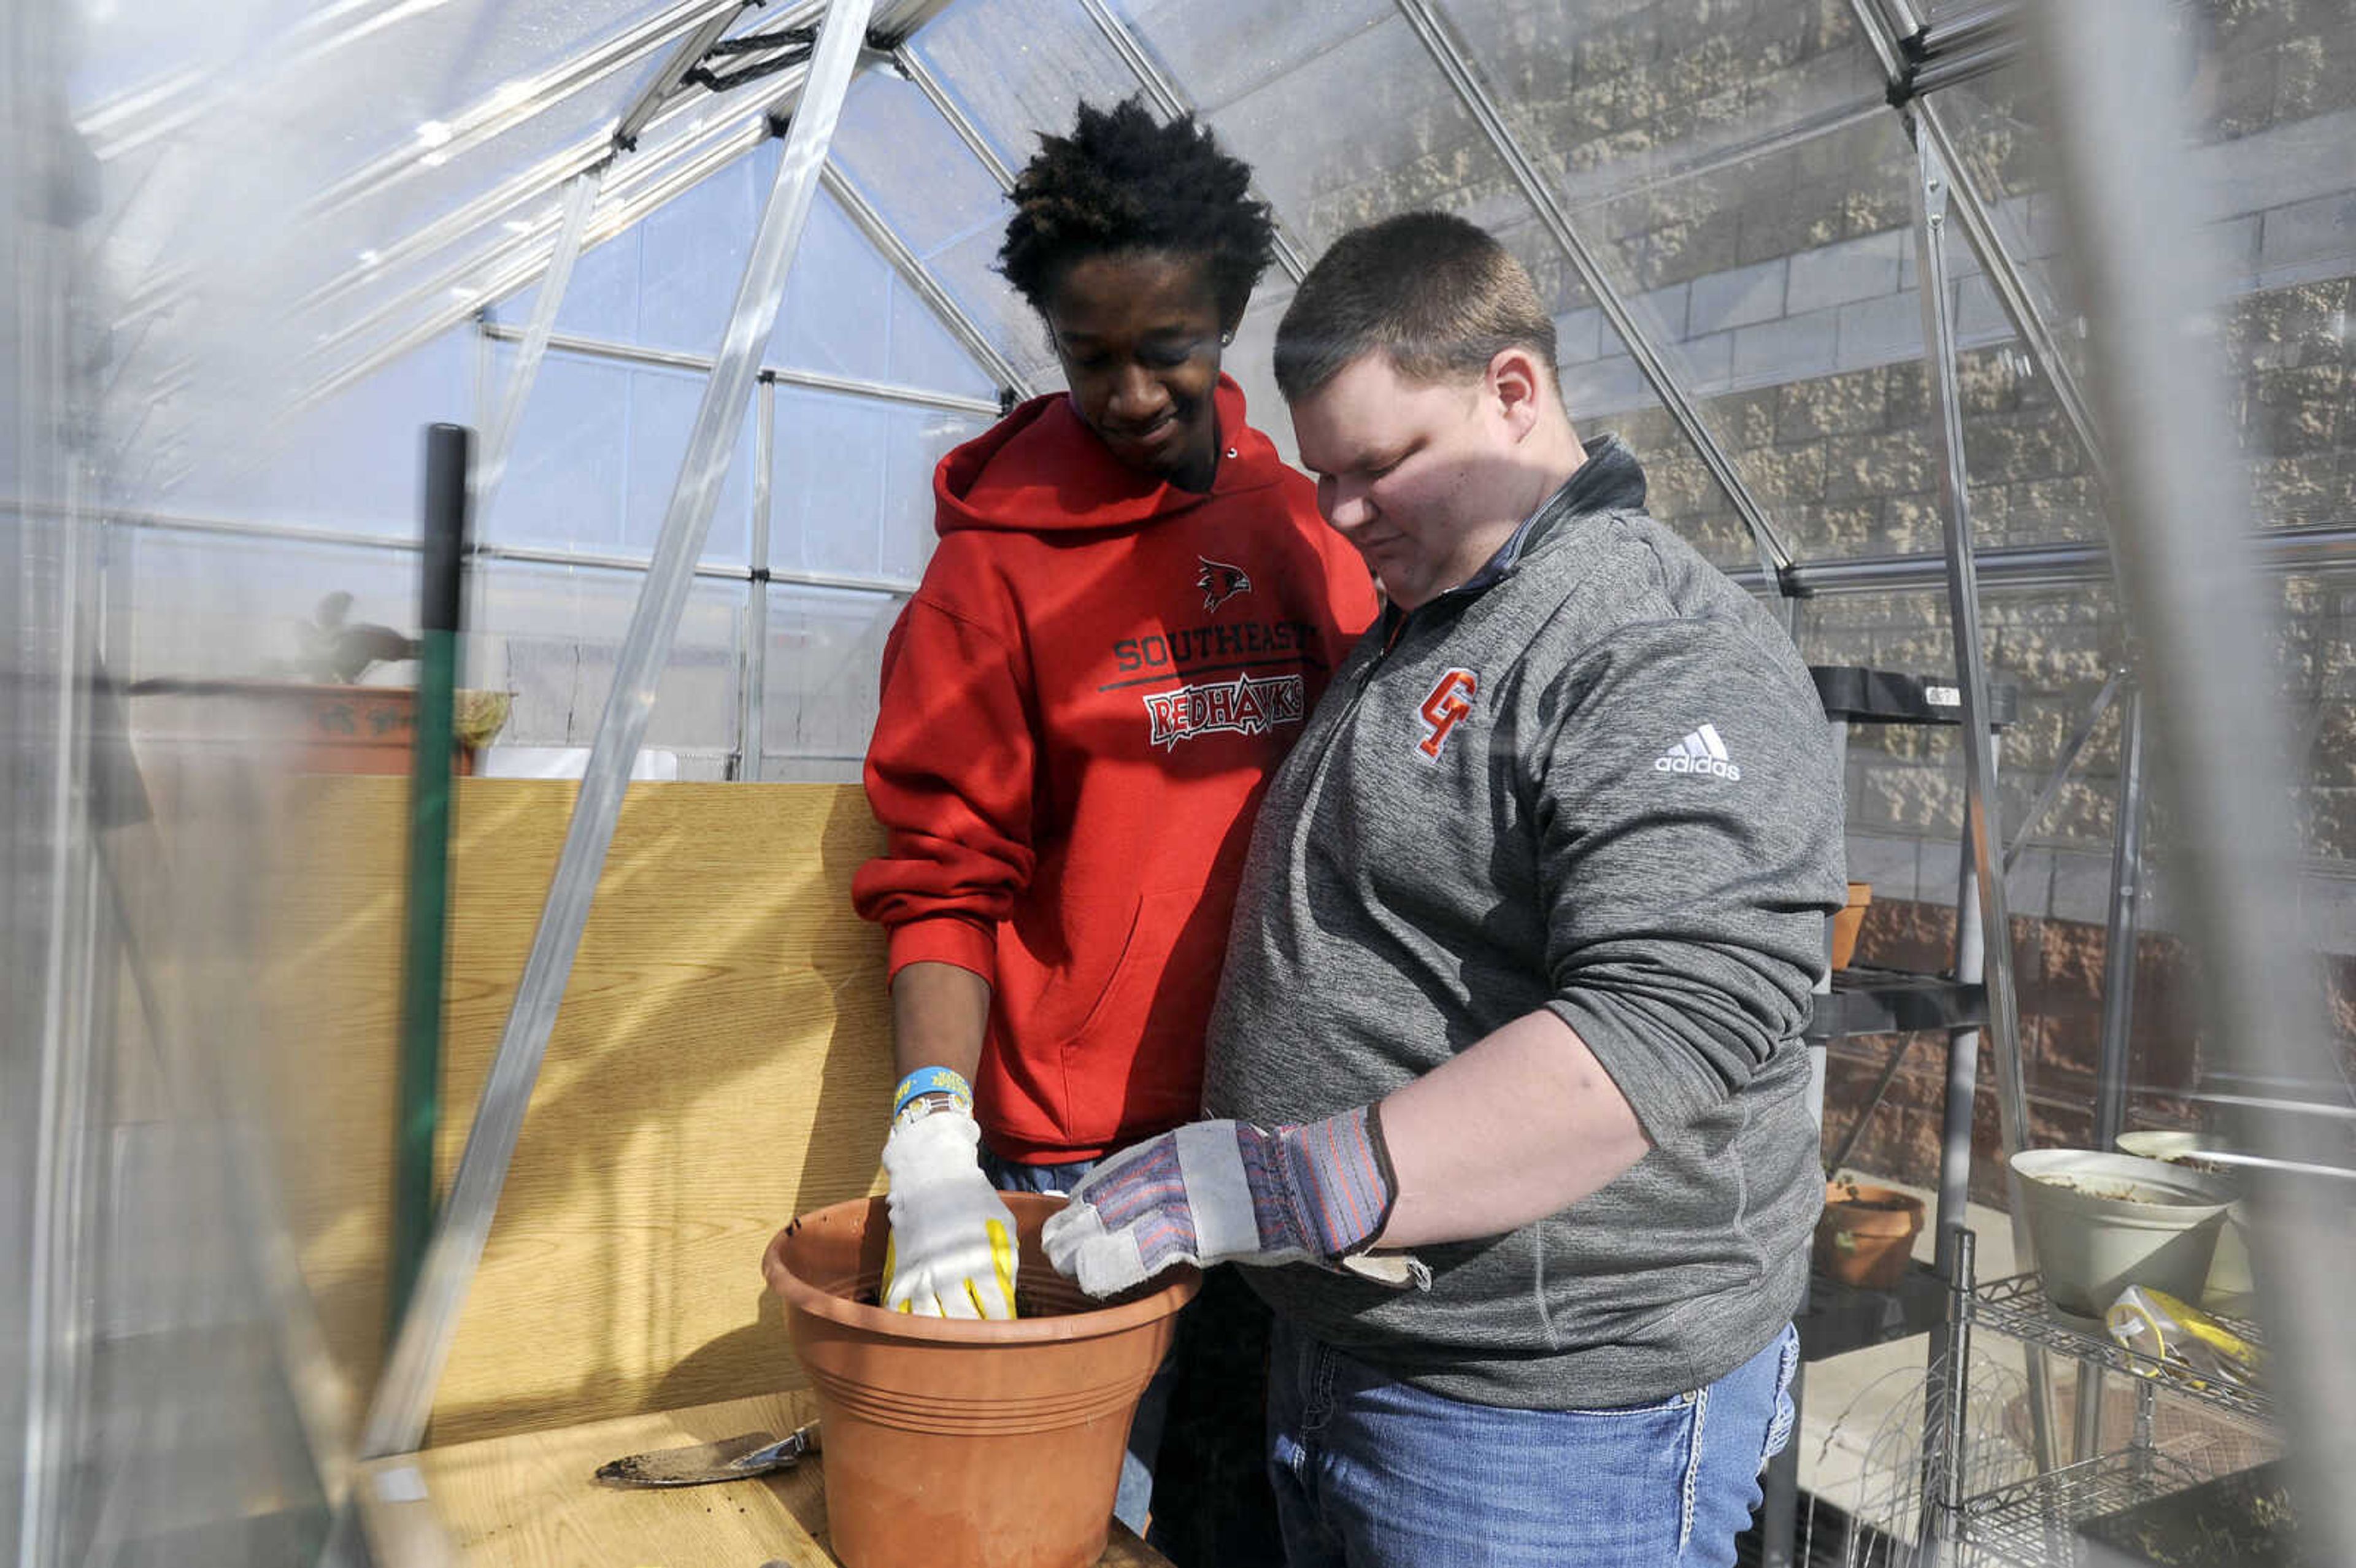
x: 1450, y: 702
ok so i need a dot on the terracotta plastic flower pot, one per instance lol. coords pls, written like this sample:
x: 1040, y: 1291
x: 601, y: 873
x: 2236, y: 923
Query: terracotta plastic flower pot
x: 1866, y: 1234
x: 1848, y: 922
x: 967, y: 1445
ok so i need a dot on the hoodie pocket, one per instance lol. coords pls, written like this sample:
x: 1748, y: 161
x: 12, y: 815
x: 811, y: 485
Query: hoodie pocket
x: 1123, y: 967
x: 1137, y: 1055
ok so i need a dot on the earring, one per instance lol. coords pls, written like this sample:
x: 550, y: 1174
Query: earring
x: 1226, y: 339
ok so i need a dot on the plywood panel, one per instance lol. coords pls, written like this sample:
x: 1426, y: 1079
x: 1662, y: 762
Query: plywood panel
x: 720, y: 1063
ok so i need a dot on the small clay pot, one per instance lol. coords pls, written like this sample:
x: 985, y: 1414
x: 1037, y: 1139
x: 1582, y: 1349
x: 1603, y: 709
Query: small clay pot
x: 1848, y: 922
x: 1866, y: 1234
x: 349, y: 728
x: 954, y: 1444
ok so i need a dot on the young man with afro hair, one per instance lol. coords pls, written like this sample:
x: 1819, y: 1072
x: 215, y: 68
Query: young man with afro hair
x: 1132, y: 608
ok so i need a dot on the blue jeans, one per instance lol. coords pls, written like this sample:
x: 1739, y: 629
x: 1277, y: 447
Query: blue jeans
x: 1371, y: 1473
x: 1135, y: 1499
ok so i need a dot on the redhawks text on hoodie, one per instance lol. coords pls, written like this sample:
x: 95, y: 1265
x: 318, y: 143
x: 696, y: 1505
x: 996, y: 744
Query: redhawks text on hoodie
x: 1081, y: 706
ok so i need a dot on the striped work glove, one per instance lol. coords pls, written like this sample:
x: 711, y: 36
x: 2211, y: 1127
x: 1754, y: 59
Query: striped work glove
x: 1223, y: 1192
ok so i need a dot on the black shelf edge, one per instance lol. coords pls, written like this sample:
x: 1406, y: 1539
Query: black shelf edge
x: 1830, y: 1536
x: 1840, y: 1318
x: 1894, y: 1001
x: 1861, y: 695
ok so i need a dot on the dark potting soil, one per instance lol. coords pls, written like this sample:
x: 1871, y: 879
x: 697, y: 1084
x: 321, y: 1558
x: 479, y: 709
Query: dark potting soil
x: 1027, y: 1303
x: 2117, y: 1191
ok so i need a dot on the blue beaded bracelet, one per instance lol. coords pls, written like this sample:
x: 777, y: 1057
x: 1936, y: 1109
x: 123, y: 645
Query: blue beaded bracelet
x: 932, y: 1080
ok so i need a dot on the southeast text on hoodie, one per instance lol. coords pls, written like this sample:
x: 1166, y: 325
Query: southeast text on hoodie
x: 1081, y: 706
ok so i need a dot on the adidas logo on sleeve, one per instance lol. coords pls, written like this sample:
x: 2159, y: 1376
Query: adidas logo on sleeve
x: 1699, y: 753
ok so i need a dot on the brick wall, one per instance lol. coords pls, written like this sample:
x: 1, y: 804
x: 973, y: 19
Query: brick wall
x: 2058, y: 968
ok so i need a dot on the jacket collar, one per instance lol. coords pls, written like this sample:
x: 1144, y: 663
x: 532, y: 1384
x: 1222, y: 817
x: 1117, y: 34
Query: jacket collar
x: 1611, y: 480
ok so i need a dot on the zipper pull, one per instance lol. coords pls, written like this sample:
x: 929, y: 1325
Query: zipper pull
x: 1398, y: 630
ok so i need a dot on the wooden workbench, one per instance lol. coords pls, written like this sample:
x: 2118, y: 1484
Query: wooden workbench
x: 527, y: 1501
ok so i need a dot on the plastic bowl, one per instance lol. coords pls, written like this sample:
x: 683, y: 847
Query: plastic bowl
x: 2175, y: 1149
x: 2229, y: 1272
x: 2104, y: 1221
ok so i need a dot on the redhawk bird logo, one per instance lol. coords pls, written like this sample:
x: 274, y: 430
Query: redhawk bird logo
x: 1220, y: 583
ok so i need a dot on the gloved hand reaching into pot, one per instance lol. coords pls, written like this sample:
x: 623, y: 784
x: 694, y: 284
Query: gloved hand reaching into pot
x: 1226, y: 1191
x: 952, y: 1251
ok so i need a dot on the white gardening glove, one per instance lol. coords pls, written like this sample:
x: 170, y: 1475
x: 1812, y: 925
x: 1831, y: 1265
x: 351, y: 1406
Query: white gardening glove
x: 953, y: 1243
x: 1230, y: 1192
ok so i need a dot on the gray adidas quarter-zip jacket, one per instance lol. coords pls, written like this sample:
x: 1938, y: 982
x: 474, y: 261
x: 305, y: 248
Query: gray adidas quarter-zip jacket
x: 1595, y: 779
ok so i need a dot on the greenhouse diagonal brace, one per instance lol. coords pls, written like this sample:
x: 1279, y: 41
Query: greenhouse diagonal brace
x: 491, y: 462
x: 911, y: 65
x: 2068, y: 763
x: 1173, y: 105
x: 1775, y: 558
x: 1978, y: 225
x: 683, y: 59
x: 944, y: 307
x: 405, y: 1398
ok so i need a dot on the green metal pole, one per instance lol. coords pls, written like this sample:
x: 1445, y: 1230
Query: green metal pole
x: 426, y: 928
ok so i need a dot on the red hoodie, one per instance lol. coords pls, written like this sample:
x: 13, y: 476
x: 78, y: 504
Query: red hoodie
x: 1081, y: 705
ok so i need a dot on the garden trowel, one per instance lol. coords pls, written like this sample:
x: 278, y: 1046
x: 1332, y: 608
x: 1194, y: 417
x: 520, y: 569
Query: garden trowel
x: 731, y: 1459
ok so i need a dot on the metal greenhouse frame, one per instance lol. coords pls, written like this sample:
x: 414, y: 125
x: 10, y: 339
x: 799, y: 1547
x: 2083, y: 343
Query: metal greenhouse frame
x: 393, y: 252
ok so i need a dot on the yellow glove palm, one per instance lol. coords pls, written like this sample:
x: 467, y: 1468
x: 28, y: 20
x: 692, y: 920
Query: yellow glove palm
x: 952, y: 1249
